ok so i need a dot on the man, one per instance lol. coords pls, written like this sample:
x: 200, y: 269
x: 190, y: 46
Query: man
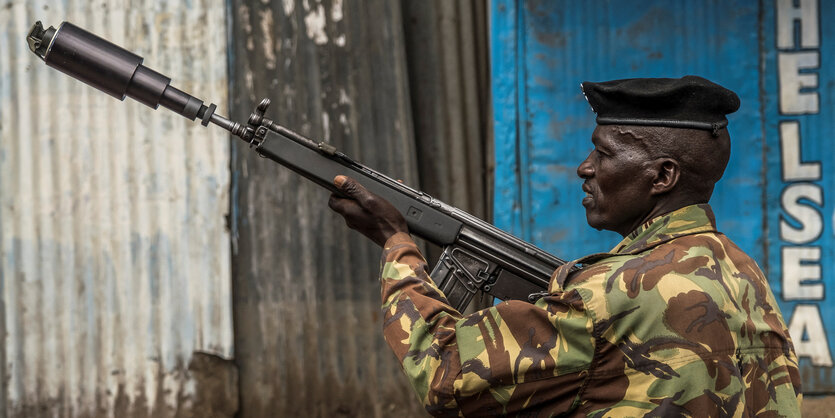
x: 675, y: 321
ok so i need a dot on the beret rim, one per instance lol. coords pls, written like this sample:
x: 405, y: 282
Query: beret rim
x: 685, y: 124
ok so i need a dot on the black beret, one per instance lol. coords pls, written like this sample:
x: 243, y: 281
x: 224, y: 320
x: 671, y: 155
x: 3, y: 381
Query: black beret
x: 687, y: 102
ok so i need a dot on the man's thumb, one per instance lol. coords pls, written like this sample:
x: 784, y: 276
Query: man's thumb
x: 339, y: 180
x: 349, y: 187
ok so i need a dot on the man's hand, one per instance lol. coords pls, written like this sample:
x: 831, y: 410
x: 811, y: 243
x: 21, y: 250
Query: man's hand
x: 366, y: 212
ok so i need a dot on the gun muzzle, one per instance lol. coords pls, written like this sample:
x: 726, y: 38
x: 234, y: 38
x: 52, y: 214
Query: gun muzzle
x: 110, y: 68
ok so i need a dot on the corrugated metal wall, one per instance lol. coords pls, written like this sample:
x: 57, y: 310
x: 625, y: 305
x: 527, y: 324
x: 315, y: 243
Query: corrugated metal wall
x: 446, y: 50
x: 307, y: 328
x: 446, y: 46
x: 115, y: 253
x: 116, y: 258
x: 308, y: 338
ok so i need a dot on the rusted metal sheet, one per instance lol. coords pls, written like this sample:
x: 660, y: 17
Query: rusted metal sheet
x: 115, y: 253
x: 446, y: 45
x: 449, y: 86
x: 307, y: 308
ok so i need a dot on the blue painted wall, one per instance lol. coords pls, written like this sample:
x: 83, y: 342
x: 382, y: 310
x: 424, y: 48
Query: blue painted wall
x: 779, y: 174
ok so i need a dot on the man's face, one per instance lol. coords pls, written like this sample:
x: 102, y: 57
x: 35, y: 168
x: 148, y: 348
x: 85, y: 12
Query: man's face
x: 618, y: 178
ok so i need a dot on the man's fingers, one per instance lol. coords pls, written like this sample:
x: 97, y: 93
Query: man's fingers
x: 364, y: 211
x: 345, y: 206
x: 335, y: 203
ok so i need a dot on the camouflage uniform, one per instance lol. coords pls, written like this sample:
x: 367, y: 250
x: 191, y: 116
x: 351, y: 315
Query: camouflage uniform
x: 674, y: 321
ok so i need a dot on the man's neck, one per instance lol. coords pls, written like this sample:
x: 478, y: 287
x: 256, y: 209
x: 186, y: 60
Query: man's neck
x: 663, y: 207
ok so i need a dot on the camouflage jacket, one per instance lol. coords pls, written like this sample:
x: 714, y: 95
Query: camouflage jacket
x: 675, y: 321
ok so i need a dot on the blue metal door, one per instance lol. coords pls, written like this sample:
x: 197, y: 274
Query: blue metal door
x: 774, y: 198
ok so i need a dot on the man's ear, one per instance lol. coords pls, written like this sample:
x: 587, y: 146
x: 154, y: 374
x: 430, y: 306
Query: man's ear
x: 667, y: 172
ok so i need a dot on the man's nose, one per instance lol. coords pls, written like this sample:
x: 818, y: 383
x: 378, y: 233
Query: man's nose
x: 585, y: 169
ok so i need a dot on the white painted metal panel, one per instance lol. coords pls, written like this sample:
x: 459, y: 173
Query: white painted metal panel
x: 115, y: 253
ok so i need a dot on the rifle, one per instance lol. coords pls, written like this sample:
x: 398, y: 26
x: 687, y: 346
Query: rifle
x: 476, y: 255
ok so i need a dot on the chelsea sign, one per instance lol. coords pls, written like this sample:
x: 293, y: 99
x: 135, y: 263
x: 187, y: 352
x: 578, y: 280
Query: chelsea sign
x: 802, y: 220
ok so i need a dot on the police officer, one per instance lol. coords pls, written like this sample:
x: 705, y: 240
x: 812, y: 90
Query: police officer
x: 675, y: 320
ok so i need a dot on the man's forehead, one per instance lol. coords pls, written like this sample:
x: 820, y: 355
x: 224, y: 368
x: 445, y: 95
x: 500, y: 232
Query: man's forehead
x: 619, y: 133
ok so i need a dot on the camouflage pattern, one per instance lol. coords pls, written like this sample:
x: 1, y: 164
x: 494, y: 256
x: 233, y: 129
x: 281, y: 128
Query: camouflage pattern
x: 674, y: 321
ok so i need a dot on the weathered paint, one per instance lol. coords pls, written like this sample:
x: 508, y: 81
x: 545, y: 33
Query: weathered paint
x: 307, y: 321
x: 542, y: 50
x: 115, y: 253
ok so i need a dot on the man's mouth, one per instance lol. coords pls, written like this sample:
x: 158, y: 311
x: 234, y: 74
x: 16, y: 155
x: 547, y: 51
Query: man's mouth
x: 588, y: 198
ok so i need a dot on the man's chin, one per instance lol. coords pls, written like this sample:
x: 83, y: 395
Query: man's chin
x: 594, y: 223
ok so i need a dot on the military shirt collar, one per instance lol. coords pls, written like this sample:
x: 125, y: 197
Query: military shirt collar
x: 688, y: 220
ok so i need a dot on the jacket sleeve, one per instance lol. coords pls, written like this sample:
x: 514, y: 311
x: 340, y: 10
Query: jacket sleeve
x: 478, y: 362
